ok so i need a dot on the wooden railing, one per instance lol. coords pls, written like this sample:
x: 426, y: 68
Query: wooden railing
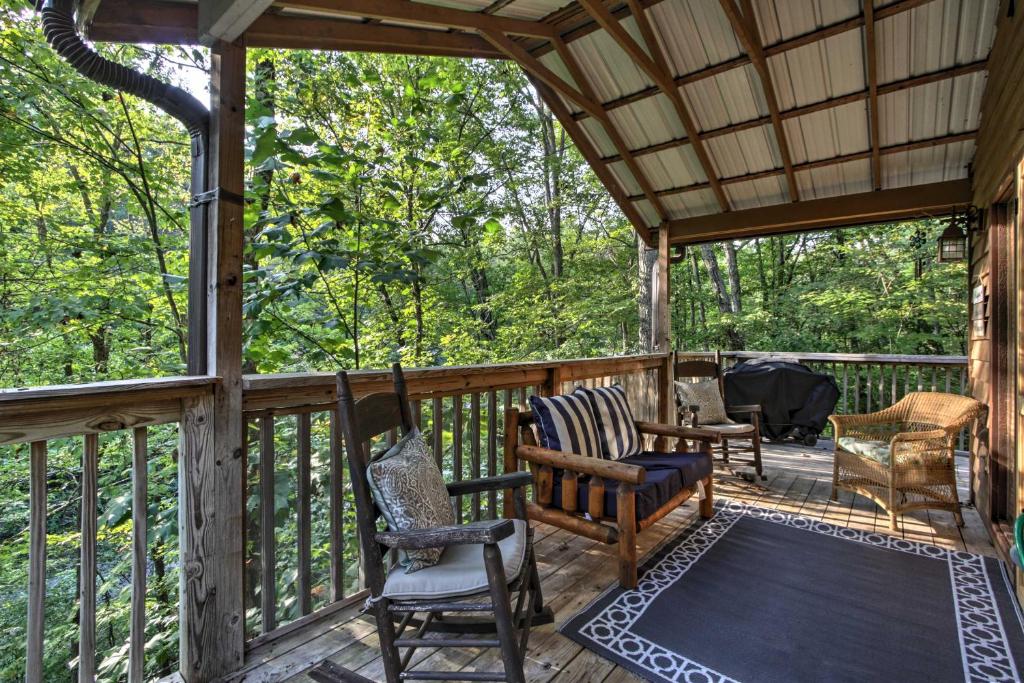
x: 293, y: 440
x: 76, y: 417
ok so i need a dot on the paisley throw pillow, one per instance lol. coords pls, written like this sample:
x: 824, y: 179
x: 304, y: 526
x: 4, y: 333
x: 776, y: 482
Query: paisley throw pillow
x: 409, y: 490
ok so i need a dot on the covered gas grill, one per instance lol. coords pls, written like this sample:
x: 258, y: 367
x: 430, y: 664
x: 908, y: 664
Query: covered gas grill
x: 795, y: 400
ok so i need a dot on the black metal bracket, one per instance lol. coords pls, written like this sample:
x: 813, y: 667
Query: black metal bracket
x: 217, y: 193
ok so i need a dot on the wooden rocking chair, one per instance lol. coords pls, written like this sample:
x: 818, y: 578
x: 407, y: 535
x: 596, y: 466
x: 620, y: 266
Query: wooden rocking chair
x: 473, y: 556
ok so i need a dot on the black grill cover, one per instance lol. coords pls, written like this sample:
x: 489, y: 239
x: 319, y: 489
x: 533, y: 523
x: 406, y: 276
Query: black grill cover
x: 790, y: 395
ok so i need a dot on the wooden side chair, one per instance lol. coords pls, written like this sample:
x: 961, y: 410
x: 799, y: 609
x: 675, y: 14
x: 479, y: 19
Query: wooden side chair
x: 727, y: 429
x: 485, y: 567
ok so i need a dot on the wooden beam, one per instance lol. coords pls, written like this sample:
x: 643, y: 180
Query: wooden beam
x: 589, y: 153
x: 153, y: 21
x: 228, y: 19
x: 864, y: 208
x: 212, y: 468
x: 712, y: 70
x: 662, y: 309
x: 744, y: 25
x: 820, y: 163
x: 664, y: 81
x: 860, y: 95
x: 871, y: 64
x: 496, y: 6
x: 423, y: 14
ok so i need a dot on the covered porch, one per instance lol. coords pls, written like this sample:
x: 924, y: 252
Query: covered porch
x: 805, y: 120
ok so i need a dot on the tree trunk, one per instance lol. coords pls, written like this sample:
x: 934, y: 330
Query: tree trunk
x: 715, y: 275
x: 647, y: 260
x: 732, y: 268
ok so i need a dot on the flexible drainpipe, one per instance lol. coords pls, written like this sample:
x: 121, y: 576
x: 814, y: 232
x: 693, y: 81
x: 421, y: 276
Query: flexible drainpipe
x: 62, y: 34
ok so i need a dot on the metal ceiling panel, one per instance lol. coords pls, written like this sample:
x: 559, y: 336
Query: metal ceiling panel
x: 930, y: 165
x: 731, y: 97
x: 648, y: 212
x: 749, y: 151
x: 932, y: 110
x: 670, y: 168
x: 648, y: 122
x: 709, y: 35
x: 837, y: 179
x: 626, y: 180
x: 780, y: 20
x: 828, y: 133
x: 819, y: 71
x: 595, y: 132
x: 687, y: 204
x: 553, y: 61
x: 611, y: 71
x: 760, y: 192
x: 531, y: 9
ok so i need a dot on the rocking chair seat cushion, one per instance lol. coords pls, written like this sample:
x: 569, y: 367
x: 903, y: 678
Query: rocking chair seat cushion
x: 731, y: 428
x: 460, y: 571
x: 666, y: 475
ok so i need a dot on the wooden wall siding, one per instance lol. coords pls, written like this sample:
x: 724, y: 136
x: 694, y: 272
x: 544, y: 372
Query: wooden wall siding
x: 979, y: 355
x: 1001, y: 137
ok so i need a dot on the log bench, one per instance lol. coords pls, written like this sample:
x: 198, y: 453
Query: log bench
x: 611, y: 501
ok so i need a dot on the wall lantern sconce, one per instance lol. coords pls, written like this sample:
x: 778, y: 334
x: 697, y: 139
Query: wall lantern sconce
x: 953, y: 241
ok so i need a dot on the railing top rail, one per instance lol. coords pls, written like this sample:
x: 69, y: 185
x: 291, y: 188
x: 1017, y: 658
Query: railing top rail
x: 183, y: 386
x: 872, y: 358
x: 316, y: 379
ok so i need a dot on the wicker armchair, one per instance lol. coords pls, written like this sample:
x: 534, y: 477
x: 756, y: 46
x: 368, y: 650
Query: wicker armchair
x: 902, y: 457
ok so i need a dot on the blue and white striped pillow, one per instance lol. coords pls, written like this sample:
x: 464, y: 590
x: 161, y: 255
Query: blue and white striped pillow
x: 615, y: 426
x: 567, y: 424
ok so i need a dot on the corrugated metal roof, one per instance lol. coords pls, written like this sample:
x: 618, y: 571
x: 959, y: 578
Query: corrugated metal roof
x: 851, y: 177
x: 671, y: 168
x: 532, y: 9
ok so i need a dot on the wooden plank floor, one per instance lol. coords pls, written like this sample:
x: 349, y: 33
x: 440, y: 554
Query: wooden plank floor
x: 575, y: 570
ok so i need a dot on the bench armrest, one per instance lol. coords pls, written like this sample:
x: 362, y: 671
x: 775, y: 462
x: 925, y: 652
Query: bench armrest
x: 693, y: 433
x: 512, y: 480
x: 608, y: 469
x: 490, y: 531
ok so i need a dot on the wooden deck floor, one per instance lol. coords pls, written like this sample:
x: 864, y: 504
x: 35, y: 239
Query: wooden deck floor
x: 575, y: 570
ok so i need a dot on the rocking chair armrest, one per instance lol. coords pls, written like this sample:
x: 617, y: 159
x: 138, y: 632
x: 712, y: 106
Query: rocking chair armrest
x: 512, y: 480
x: 474, y: 533
x: 753, y: 408
x: 693, y: 433
x: 598, y: 467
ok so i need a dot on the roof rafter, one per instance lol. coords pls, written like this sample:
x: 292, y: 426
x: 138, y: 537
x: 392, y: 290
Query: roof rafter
x: 786, y: 114
x: 871, y: 63
x: 664, y: 80
x: 422, y: 13
x: 744, y: 25
x: 821, y: 163
x: 584, y: 99
x: 793, y: 43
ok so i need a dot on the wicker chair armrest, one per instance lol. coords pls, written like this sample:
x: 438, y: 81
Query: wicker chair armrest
x: 512, y: 480
x: 695, y: 433
x: 608, y: 469
x: 490, y: 531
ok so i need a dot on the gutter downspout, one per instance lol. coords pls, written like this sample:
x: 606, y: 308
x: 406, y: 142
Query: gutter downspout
x: 62, y: 34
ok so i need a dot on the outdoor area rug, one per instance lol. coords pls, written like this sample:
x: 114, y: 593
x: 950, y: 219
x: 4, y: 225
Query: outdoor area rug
x: 761, y: 595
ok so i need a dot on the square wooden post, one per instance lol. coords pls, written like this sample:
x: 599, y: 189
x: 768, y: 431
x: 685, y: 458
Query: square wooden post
x: 212, y: 468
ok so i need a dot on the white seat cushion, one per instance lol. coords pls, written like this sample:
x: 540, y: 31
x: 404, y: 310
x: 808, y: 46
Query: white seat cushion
x: 730, y: 428
x: 459, y: 572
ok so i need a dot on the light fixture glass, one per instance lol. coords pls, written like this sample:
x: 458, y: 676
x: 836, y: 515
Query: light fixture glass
x: 953, y: 242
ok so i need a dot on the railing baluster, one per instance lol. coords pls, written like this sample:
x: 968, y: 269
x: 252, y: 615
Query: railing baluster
x: 268, y: 543
x: 920, y: 377
x: 892, y: 393
x: 949, y: 376
x: 474, y: 449
x: 522, y: 398
x: 36, y: 563
x: 867, y: 370
x: 437, y: 431
x: 935, y: 370
x: 457, y: 450
x: 336, y: 506
x: 417, y: 414
x: 492, y: 450
x: 87, y: 580
x: 140, y: 494
x: 856, y: 389
x: 304, y: 513
x: 846, y: 387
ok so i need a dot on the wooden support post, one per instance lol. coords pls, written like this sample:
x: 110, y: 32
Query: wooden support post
x: 212, y: 469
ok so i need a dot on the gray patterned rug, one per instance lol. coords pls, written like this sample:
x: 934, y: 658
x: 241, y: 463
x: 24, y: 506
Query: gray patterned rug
x: 761, y: 595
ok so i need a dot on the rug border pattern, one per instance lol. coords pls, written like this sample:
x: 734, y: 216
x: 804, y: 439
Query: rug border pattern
x: 983, y: 644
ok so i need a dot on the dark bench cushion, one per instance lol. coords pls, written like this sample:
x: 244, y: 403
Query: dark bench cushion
x: 667, y: 475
